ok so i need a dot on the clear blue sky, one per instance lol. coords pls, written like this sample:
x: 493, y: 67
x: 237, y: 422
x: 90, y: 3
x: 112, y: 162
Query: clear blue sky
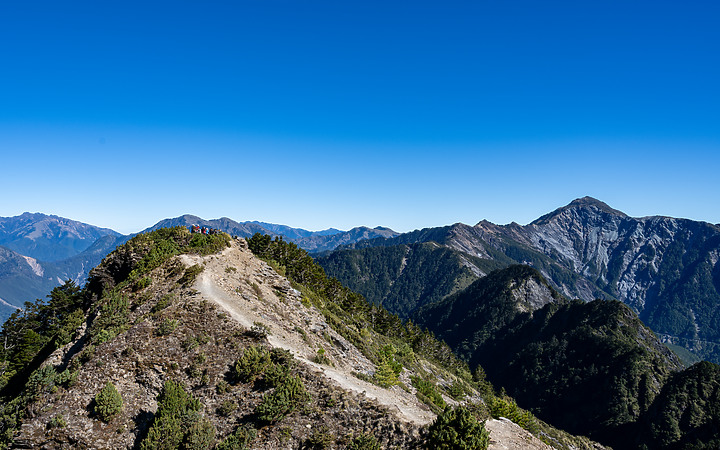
x: 321, y: 114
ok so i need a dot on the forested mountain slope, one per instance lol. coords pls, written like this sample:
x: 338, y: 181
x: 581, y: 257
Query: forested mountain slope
x: 403, y: 277
x: 593, y: 368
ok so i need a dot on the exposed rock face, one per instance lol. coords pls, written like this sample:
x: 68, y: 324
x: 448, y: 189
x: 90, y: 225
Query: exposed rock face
x: 666, y: 269
x: 661, y: 267
x: 531, y: 294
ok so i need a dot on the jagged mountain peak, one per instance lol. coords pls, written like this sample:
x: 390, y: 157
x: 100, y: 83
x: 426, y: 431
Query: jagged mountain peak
x: 588, y: 201
x: 585, y: 205
x: 191, y: 218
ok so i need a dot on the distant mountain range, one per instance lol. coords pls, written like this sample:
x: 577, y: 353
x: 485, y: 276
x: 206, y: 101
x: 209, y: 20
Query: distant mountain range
x: 39, y: 251
x: 664, y: 268
x: 312, y: 241
x: 48, y: 238
x: 546, y: 312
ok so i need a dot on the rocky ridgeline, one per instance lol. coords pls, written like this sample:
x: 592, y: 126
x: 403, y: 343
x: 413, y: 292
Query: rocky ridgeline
x: 190, y: 320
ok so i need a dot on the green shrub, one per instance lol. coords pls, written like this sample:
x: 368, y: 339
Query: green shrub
x: 194, y: 371
x: 259, y: 330
x: 190, y: 275
x: 364, y: 442
x: 240, y: 439
x: 176, y: 415
x: 163, y: 303
x: 427, y: 392
x: 222, y: 387
x: 252, y: 364
x: 457, y: 429
x: 257, y: 362
x: 286, y: 398
x: 506, y: 407
x: 167, y: 327
x: 388, y: 368
x: 108, y: 402
x: 142, y: 283
x: 227, y: 407
x: 457, y: 391
x: 207, y: 244
x: 384, y: 375
x: 190, y: 343
x: 200, y: 436
x: 67, y: 377
x: 275, y: 374
x: 70, y: 323
x: 321, y: 357
x: 320, y: 439
x: 57, y: 421
x: 111, y: 319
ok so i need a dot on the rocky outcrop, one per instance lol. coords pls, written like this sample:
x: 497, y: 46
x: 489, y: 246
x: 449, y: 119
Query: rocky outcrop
x: 661, y: 267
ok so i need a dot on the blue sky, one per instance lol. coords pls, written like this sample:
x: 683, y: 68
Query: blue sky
x: 324, y: 114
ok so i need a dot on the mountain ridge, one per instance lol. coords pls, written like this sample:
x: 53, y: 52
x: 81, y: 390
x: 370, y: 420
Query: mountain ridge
x: 48, y: 237
x: 94, y: 243
x: 666, y: 269
x: 585, y: 249
x: 204, y: 321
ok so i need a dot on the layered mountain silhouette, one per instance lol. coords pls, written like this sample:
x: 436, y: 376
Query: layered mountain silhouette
x: 664, y: 268
x: 546, y: 312
x: 48, y: 238
x: 39, y: 251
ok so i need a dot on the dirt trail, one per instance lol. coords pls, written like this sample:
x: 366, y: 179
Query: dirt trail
x: 506, y: 435
x: 251, y: 291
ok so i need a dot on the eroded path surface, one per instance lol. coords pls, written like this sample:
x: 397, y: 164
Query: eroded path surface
x: 250, y: 291
x: 506, y: 435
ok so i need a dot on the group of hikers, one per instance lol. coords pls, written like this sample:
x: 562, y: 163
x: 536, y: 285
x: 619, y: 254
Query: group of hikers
x: 203, y: 230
